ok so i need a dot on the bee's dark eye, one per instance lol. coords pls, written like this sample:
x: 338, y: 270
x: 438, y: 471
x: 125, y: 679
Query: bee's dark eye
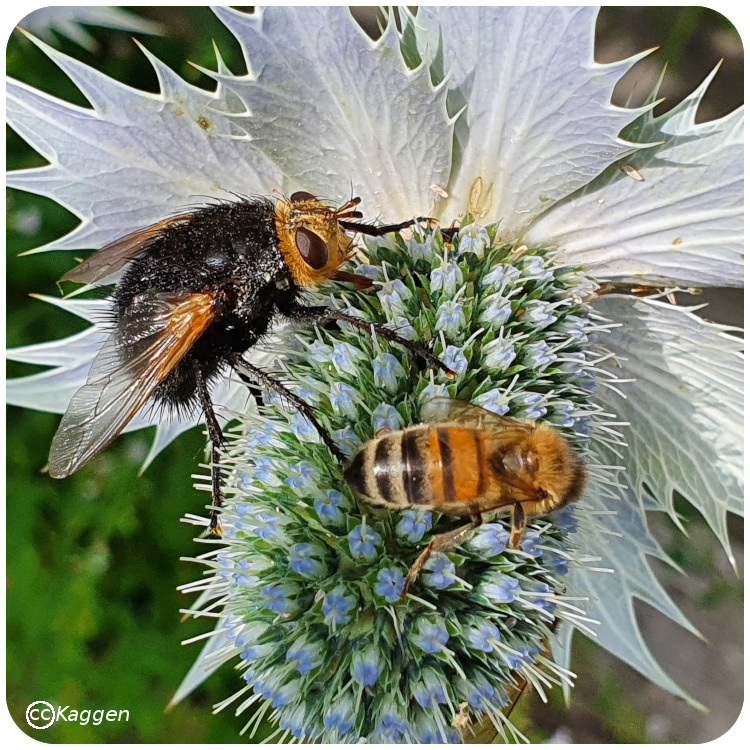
x: 300, y: 196
x: 312, y: 248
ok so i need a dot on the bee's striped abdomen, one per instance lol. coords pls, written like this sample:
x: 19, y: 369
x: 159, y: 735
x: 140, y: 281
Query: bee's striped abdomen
x: 456, y: 468
x: 414, y: 466
x: 436, y: 466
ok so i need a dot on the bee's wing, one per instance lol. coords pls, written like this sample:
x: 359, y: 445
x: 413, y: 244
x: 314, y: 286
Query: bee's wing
x: 442, y: 409
x: 115, y: 390
x: 117, y: 254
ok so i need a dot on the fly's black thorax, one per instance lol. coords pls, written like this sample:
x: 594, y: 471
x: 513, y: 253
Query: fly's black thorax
x: 230, y: 250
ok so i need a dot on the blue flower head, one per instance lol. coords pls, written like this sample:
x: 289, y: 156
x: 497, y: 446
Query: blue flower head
x: 498, y: 353
x: 340, y: 715
x: 390, y: 583
x: 574, y: 327
x: 483, y: 636
x: 305, y: 655
x: 347, y: 440
x: 566, y: 519
x: 425, y: 731
x: 392, y: 727
x: 262, y: 434
x: 319, y: 352
x: 384, y: 416
x: 441, y: 572
x: 429, y: 634
x: 363, y: 543
x: 269, y: 526
x: 538, y: 355
x: 345, y: 359
x: 303, y: 477
x: 257, y: 651
x: 387, y: 371
x: 403, y: 328
x: 493, y: 401
x: 455, y: 358
x: 490, y: 540
x: 539, y: 314
x: 534, y: 266
x: 497, y: 310
x: 330, y: 507
x: 337, y: 606
x: 265, y: 472
x: 367, y: 666
x: 393, y: 296
x: 302, y: 428
x: 534, y: 404
x: 473, y: 239
x: 433, y: 390
x: 446, y: 278
x: 413, y: 524
x: 244, y: 574
x: 563, y: 415
x: 308, y: 560
x: 283, y: 695
x: 344, y: 399
x: 501, y: 276
x: 530, y: 544
x: 280, y: 597
x: 450, y: 318
x: 544, y: 602
x: 475, y: 690
x: 294, y: 722
x: 429, y: 689
x: 501, y: 589
x: 421, y: 250
x: 556, y: 563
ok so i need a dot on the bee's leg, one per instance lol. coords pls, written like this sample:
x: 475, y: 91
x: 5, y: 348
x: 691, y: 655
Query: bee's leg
x: 439, y: 543
x: 373, y: 231
x: 251, y: 375
x: 216, y: 436
x: 317, y: 314
x: 518, y: 526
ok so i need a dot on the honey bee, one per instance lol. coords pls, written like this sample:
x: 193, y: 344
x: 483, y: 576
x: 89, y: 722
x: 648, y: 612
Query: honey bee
x: 466, y: 461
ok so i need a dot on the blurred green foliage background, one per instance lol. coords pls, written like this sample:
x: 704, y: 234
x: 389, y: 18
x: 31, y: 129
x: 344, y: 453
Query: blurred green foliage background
x: 93, y: 561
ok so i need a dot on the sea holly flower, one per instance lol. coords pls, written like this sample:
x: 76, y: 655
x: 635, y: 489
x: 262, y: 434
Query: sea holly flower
x: 552, y: 234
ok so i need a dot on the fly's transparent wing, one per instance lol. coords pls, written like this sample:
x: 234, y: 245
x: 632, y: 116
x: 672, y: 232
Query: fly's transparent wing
x: 119, y: 386
x: 117, y: 254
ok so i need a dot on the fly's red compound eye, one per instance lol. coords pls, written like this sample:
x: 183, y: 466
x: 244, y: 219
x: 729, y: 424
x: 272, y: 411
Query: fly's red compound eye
x: 312, y: 248
x: 300, y: 196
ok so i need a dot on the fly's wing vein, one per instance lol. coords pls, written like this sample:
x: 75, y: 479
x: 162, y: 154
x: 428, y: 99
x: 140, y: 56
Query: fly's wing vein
x: 117, y: 254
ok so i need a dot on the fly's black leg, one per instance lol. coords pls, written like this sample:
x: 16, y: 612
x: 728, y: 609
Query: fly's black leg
x: 373, y: 231
x: 252, y: 375
x: 317, y: 314
x: 215, y: 435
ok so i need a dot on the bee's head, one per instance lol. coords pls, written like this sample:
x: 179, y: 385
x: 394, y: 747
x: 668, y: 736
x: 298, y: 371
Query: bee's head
x: 311, y: 239
x: 554, y: 466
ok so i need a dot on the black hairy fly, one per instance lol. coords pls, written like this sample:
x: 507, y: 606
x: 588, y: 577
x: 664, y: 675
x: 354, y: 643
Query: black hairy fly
x: 199, y: 289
